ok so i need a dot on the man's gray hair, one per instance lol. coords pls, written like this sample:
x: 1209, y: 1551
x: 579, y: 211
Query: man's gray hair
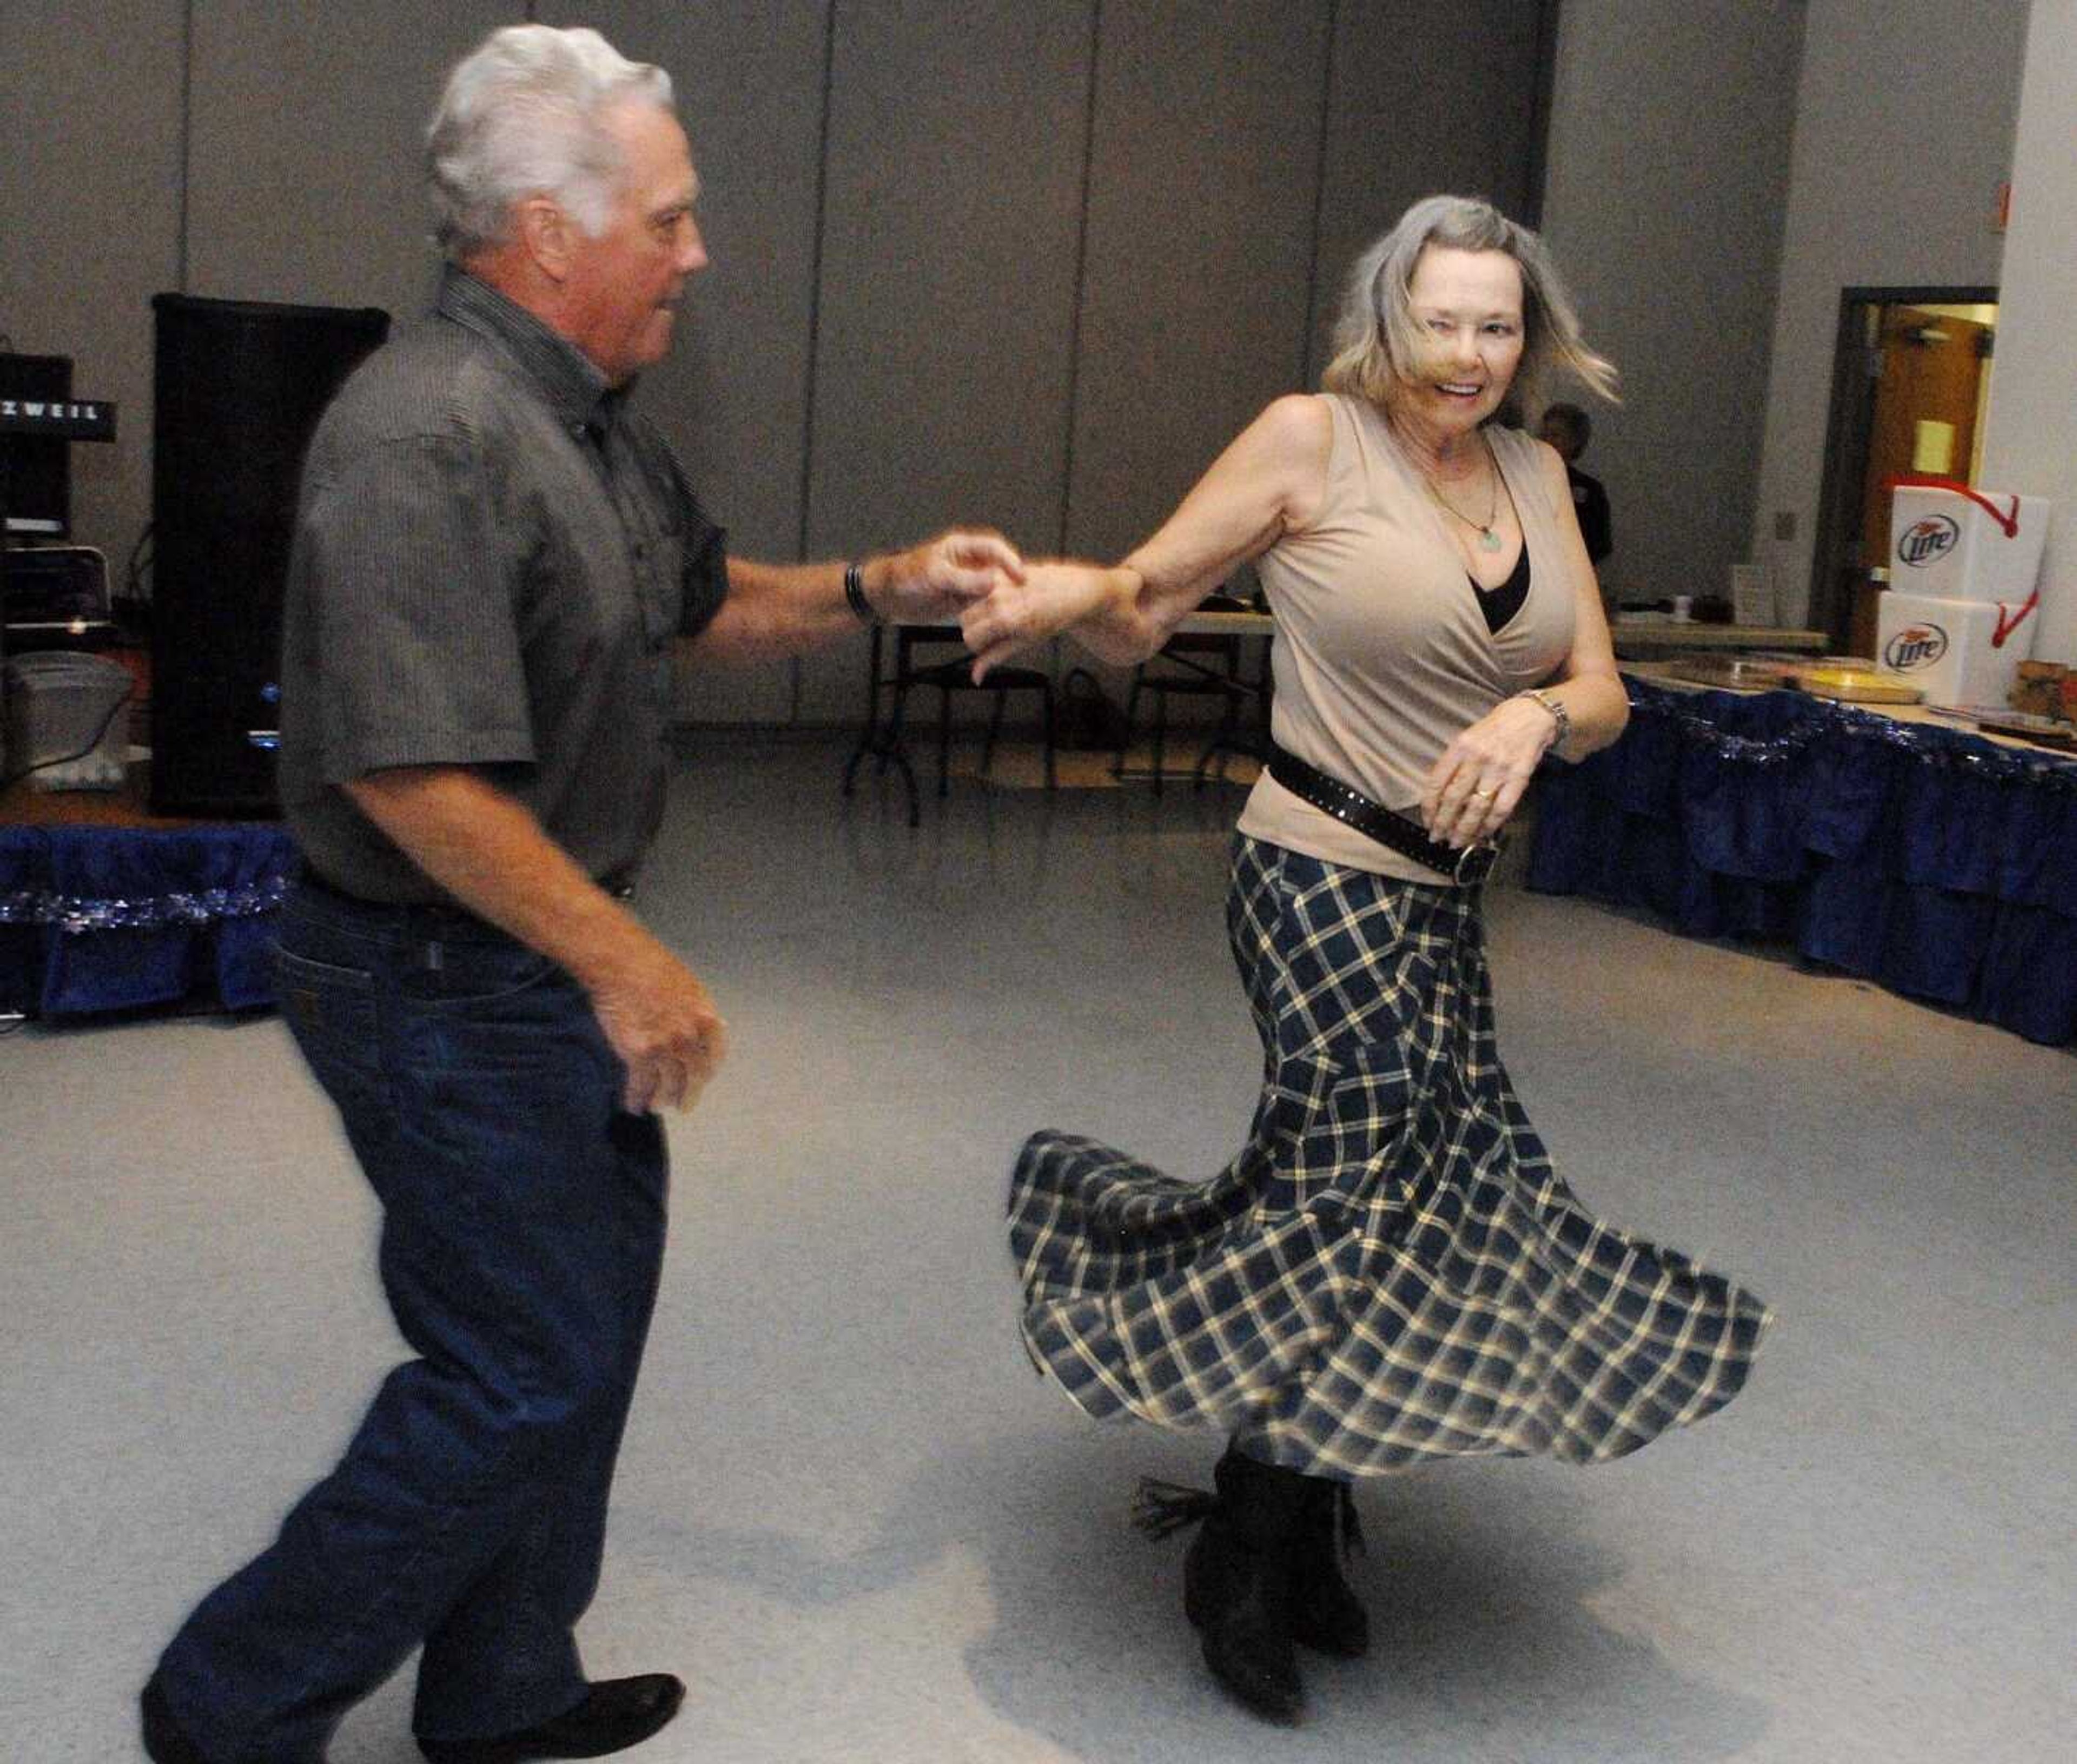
x: 1378, y: 349
x: 521, y: 117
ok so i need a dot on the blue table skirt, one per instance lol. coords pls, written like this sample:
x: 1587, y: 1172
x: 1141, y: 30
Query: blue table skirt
x: 1938, y: 863
x: 101, y: 919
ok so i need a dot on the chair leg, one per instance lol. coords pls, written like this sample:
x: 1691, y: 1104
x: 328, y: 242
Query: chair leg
x: 892, y: 752
x: 1220, y: 743
x: 994, y: 732
x: 1160, y: 734
x: 1131, y: 710
x: 944, y: 736
x: 1046, y: 697
x: 896, y: 718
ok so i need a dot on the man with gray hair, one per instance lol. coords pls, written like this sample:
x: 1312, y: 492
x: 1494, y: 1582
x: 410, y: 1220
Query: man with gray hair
x: 494, y: 558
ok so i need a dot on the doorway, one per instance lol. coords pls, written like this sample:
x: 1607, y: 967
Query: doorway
x: 1910, y: 378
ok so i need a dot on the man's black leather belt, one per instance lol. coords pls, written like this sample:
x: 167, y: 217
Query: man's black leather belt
x: 1466, y: 865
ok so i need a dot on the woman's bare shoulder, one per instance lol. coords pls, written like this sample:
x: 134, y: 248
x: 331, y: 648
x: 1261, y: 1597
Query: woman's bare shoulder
x: 1301, y: 421
x: 1296, y: 434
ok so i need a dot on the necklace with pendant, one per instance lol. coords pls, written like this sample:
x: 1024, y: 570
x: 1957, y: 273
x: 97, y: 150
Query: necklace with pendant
x: 1489, y: 539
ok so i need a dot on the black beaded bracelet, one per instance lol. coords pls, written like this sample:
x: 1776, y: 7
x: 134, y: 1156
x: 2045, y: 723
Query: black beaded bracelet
x: 855, y: 594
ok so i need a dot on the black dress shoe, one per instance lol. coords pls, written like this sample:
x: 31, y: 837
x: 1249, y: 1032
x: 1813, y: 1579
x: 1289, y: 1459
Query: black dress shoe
x: 614, y: 1715
x: 166, y: 1741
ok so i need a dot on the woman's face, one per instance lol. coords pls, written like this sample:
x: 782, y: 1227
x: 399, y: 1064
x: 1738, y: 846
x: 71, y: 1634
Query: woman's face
x: 1466, y: 311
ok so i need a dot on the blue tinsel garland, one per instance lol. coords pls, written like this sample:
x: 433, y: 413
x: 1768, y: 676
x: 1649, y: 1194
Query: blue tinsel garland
x: 74, y: 914
x: 1948, y: 748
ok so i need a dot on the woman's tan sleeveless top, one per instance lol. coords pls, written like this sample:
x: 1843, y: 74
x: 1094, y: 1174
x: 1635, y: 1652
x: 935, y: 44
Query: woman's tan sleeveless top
x: 1381, y: 655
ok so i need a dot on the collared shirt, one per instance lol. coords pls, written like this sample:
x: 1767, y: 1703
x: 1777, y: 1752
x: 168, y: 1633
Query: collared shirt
x: 492, y: 555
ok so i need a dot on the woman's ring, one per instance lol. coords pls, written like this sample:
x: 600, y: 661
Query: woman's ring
x: 1483, y: 794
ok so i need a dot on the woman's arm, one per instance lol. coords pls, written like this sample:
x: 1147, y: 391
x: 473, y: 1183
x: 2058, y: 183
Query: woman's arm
x: 1271, y: 480
x: 1586, y: 683
x: 1476, y: 785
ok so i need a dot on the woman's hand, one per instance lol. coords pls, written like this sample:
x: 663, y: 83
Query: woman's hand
x: 1475, y: 786
x: 1050, y: 598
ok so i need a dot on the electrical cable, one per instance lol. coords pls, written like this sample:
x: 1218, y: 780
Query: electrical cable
x: 143, y: 556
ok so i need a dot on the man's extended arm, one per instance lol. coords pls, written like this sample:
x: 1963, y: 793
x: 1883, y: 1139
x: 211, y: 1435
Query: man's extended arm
x: 782, y: 609
x: 487, y: 850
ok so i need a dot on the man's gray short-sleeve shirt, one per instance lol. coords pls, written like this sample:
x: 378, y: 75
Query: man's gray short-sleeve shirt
x: 492, y: 556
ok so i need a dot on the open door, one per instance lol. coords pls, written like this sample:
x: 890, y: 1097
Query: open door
x: 1908, y: 387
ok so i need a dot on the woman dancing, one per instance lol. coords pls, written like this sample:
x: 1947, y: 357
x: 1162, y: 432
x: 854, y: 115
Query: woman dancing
x: 1390, y: 1271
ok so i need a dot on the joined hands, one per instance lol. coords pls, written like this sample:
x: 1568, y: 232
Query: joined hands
x: 1042, y: 600
x: 942, y: 578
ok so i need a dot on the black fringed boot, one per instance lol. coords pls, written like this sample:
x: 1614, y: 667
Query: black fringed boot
x: 1324, y: 1614
x: 1236, y: 1577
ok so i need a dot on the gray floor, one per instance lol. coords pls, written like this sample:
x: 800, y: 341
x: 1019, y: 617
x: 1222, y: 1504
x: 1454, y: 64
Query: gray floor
x: 850, y: 1515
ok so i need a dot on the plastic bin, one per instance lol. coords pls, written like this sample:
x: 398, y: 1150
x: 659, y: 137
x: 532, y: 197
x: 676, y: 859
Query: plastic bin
x: 66, y: 728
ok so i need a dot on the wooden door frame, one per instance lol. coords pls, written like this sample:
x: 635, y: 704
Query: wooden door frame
x: 1847, y: 425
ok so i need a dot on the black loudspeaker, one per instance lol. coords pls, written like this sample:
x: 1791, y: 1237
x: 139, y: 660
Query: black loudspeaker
x: 39, y: 468
x: 238, y: 387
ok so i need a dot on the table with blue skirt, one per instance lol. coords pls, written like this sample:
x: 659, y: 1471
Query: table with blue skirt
x: 101, y: 919
x: 1940, y: 864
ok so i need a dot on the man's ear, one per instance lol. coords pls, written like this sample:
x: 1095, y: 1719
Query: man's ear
x: 548, y: 236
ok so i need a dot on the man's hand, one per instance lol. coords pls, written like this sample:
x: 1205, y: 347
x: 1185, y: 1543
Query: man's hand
x: 658, y: 1019
x: 937, y: 579
x: 489, y: 853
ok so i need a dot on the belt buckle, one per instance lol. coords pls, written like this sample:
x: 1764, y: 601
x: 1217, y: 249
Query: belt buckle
x: 1474, y: 863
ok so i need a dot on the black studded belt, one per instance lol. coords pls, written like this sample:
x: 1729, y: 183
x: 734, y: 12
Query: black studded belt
x: 1466, y: 865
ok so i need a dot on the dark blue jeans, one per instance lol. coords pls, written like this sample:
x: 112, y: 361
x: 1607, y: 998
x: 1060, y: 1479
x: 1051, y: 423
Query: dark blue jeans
x: 522, y: 1232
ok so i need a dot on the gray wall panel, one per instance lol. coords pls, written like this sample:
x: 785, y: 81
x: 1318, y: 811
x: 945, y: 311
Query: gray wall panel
x: 948, y: 363
x: 1666, y: 219
x: 947, y: 294
x: 1903, y: 119
x: 1206, y: 156
x: 90, y: 221
x: 306, y: 127
x: 1458, y: 117
x: 733, y: 395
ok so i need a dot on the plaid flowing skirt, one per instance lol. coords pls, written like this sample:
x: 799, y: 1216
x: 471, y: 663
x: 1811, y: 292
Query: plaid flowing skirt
x: 1390, y: 1271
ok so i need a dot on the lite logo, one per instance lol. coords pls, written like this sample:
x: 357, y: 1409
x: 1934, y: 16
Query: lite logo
x: 1915, y: 645
x: 1928, y: 540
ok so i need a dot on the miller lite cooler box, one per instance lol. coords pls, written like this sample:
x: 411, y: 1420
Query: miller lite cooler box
x: 1950, y: 542
x: 1961, y: 653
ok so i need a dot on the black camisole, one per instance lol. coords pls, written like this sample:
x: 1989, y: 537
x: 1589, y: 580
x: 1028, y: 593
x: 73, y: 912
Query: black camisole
x: 1501, y: 604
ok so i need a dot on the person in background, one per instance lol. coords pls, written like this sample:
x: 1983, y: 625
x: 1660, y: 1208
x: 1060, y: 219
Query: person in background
x: 495, y: 555
x: 1390, y: 1273
x: 1568, y: 428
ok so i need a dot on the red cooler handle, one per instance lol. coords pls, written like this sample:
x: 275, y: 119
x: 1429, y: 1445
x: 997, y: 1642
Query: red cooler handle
x: 2006, y: 626
x: 1916, y: 480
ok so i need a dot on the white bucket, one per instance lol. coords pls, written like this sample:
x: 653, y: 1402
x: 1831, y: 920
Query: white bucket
x: 1955, y: 651
x: 1953, y: 542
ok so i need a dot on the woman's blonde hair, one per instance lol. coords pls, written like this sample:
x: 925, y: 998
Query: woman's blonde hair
x: 1378, y: 348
